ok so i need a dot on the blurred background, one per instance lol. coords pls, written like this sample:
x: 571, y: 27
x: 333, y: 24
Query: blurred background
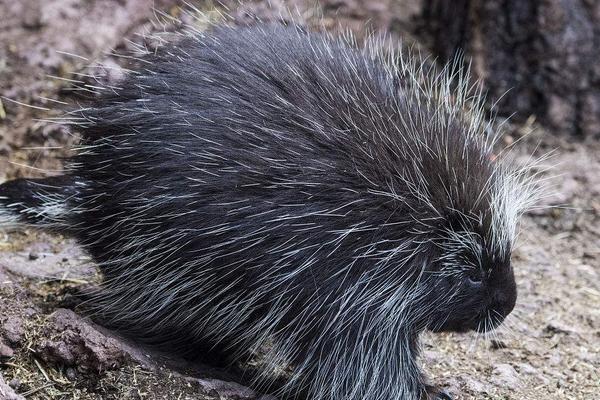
x: 538, y: 62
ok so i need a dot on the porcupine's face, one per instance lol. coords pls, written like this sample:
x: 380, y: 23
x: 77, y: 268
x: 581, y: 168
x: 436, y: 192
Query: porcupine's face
x: 472, y: 286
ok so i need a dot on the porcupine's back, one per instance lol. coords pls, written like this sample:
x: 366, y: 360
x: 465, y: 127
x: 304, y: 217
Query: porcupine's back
x: 266, y: 185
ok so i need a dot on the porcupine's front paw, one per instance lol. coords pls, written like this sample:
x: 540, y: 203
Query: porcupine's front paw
x: 435, y: 393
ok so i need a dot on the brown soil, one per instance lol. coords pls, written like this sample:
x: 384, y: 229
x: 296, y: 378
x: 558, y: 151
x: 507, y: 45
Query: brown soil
x: 548, y: 349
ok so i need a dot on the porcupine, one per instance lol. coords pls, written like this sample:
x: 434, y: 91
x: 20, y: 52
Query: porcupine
x: 269, y: 188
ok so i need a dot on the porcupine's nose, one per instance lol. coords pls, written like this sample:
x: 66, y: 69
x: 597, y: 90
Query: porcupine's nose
x: 505, y: 295
x: 504, y: 304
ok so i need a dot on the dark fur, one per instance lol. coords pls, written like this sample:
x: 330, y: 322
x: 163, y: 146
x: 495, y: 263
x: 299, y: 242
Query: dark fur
x: 233, y: 183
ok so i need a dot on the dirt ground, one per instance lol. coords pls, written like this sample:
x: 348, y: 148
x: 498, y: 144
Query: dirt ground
x: 549, y: 347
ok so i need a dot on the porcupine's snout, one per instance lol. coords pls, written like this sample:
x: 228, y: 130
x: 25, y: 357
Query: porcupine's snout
x: 503, y: 297
x: 480, y: 301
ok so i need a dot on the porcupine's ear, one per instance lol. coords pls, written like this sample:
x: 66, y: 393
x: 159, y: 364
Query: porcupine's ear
x: 41, y: 203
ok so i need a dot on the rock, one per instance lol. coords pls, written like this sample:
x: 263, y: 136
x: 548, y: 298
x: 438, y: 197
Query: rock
x: 6, y: 392
x: 13, y: 330
x: 504, y: 375
x: 5, y: 351
x: 76, y: 342
x: 84, y: 347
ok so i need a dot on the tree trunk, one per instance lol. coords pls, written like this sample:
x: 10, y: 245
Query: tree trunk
x: 545, y: 53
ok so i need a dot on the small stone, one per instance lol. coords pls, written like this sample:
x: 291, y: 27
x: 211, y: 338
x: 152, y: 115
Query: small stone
x: 527, y: 369
x: 74, y: 341
x: 5, y: 351
x: 474, y: 385
x: 5, y: 149
x: 14, y: 383
x: 505, y: 375
x: 32, y: 18
x: 71, y: 374
x: 13, y: 330
x: 556, y: 327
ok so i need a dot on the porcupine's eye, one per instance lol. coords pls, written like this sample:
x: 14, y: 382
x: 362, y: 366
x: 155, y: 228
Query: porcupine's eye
x: 474, y: 278
x: 461, y: 309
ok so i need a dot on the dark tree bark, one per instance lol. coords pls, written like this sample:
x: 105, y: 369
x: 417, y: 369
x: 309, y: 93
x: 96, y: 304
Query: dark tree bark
x: 545, y: 52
